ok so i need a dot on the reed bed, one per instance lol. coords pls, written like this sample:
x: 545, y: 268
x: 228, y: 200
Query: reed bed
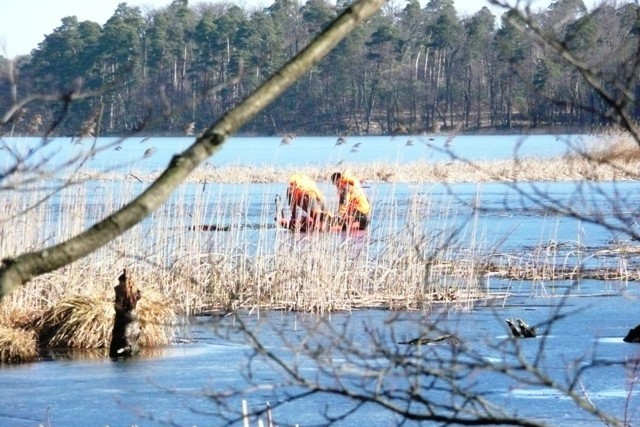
x: 244, y: 267
x: 602, y: 166
x: 417, y: 256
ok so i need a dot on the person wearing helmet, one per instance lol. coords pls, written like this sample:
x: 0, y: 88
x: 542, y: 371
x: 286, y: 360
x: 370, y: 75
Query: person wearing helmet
x: 353, y: 205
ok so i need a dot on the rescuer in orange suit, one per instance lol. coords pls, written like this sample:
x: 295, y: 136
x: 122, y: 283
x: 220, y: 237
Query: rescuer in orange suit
x: 353, y: 206
x: 303, y: 193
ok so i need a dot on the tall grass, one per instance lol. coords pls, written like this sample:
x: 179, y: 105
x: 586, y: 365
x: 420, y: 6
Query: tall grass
x: 416, y: 255
x: 251, y: 265
x: 17, y: 345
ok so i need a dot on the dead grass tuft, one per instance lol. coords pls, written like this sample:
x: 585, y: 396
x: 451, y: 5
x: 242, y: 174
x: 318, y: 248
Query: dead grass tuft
x: 77, y: 322
x: 615, y: 146
x: 17, y: 345
x: 86, y: 322
x: 157, y: 321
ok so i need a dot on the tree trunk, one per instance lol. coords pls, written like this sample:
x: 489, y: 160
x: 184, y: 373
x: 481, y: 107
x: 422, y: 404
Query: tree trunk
x: 126, y: 327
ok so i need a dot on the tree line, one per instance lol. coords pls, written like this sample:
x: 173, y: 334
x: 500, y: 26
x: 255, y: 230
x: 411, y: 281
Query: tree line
x: 408, y: 69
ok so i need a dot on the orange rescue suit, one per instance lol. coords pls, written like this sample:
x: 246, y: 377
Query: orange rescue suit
x: 352, y: 197
x: 301, y: 185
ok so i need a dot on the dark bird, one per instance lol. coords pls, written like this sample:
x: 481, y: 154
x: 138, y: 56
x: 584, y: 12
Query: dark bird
x: 400, y: 130
x: 519, y: 329
x: 446, y: 339
x: 118, y: 148
x: 149, y: 152
x: 409, y: 143
x: 526, y: 330
x: 515, y: 330
x: 288, y: 138
x: 633, y: 336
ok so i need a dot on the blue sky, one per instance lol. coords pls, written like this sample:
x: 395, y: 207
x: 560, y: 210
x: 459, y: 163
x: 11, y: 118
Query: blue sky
x: 24, y: 23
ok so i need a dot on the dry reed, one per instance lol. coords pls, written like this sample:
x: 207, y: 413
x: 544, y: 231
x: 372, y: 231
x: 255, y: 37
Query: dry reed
x: 618, y: 164
x: 414, y: 263
x: 614, y: 147
x: 417, y: 259
x: 76, y: 322
x: 17, y: 345
x: 239, y: 268
x: 86, y: 322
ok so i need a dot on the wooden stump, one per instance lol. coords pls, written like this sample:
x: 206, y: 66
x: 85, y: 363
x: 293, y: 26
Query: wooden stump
x: 126, y: 327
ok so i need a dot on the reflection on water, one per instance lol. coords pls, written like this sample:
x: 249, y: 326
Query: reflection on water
x: 100, y: 354
x: 611, y: 340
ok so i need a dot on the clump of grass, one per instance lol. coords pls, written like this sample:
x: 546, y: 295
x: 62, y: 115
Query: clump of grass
x: 614, y: 146
x: 157, y: 320
x: 625, y: 151
x: 77, y: 322
x: 17, y: 345
x: 85, y: 322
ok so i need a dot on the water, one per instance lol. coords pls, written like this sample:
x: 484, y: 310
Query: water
x: 179, y: 384
x: 130, y: 152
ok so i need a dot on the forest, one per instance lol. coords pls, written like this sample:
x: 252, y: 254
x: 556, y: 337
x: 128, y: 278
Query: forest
x: 409, y: 69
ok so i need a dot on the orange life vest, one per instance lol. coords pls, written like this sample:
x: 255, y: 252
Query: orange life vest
x: 300, y: 185
x: 352, y: 196
x: 355, y: 201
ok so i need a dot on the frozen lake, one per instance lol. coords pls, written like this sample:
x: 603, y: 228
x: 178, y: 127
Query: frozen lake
x: 176, y: 385
x: 156, y: 152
